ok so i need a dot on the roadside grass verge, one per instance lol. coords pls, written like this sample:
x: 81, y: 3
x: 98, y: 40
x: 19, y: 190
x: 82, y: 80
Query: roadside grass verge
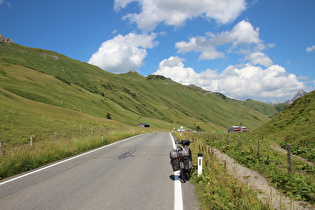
x: 216, y: 188
x: 23, y: 157
x: 255, y: 153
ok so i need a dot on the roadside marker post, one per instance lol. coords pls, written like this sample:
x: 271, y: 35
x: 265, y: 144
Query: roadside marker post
x: 289, y: 158
x: 31, y: 141
x: 199, y: 164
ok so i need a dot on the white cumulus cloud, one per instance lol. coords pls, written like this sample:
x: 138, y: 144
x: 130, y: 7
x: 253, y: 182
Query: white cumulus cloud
x: 259, y: 58
x: 202, y: 45
x: 3, y: 2
x: 123, y: 53
x: 239, y: 82
x: 176, y: 12
x: 174, y: 68
x: 242, y: 39
x: 310, y: 49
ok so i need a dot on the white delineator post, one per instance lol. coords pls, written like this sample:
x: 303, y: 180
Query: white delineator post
x: 31, y: 141
x: 199, y: 164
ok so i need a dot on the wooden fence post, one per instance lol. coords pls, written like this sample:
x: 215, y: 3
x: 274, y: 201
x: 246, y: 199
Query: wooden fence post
x: 31, y: 141
x: 258, y: 148
x: 289, y: 158
x: 239, y: 141
x: 55, y: 136
x: 69, y: 137
x: 0, y: 148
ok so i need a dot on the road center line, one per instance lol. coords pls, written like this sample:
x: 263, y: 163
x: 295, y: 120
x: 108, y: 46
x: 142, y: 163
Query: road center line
x: 178, y: 196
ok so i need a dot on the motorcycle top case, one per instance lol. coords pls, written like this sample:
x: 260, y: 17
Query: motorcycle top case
x: 185, y: 152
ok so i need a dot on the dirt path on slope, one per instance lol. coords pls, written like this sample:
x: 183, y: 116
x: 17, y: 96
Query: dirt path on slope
x: 267, y: 193
x: 285, y: 152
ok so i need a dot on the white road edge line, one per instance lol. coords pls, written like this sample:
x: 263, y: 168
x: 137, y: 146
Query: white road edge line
x: 66, y: 160
x: 178, y: 196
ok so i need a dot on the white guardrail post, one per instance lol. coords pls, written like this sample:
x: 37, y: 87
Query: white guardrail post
x: 199, y: 164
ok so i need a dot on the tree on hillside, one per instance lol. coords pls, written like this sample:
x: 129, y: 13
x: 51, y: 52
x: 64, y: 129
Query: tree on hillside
x: 198, y: 129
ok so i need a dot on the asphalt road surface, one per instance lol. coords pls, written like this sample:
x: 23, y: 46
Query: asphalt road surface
x: 130, y: 174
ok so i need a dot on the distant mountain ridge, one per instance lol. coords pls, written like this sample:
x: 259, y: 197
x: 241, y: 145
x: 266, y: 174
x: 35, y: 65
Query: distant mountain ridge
x: 51, y: 78
x: 299, y: 94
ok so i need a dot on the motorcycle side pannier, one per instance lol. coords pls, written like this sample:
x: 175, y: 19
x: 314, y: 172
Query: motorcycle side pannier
x: 187, y: 160
x: 187, y: 163
x: 174, y: 160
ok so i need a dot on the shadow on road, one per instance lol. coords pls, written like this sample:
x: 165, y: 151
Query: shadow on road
x: 174, y: 177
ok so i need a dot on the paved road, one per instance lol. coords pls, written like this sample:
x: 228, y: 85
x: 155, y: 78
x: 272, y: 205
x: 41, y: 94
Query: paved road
x: 131, y: 174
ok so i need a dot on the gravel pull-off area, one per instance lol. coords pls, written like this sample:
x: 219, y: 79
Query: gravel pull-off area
x: 267, y: 193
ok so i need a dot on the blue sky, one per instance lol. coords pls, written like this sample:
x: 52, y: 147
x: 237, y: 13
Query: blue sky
x: 257, y: 49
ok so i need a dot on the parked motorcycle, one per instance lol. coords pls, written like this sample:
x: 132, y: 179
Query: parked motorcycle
x: 181, y: 159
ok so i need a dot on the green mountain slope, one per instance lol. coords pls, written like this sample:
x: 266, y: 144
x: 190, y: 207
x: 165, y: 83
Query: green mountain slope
x: 67, y: 85
x: 294, y: 122
x: 295, y: 126
x: 261, y: 107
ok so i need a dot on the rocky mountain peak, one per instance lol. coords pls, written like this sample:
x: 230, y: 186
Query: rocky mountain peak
x: 299, y: 94
x: 5, y: 40
x: 295, y: 97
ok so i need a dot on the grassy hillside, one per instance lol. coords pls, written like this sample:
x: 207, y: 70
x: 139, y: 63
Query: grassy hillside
x: 268, y: 110
x: 294, y: 125
x: 296, y: 121
x: 65, y: 88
